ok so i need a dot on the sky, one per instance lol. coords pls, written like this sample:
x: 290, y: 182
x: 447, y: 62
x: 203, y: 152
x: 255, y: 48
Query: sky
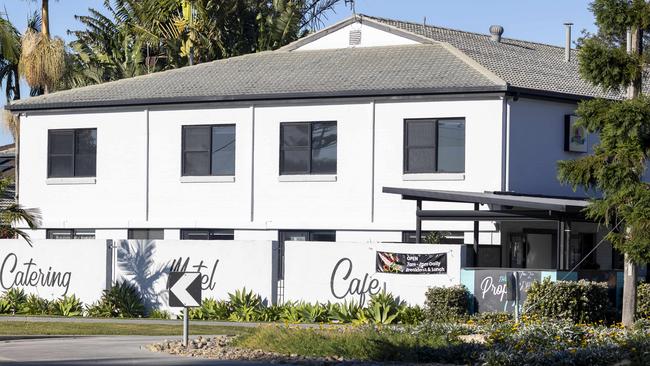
x: 531, y: 20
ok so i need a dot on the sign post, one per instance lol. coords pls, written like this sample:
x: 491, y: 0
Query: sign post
x: 184, y: 291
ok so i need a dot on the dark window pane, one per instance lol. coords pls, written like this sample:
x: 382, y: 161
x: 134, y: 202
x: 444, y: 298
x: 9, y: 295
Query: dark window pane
x: 59, y: 233
x: 222, y: 234
x: 61, y: 166
x: 85, y: 165
x: 223, y: 150
x: 84, y: 234
x: 295, y: 160
x: 421, y: 133
x: 146, y: 234
x: 195, y: 234
x: 323, y: 235
x: 295, y: 134
x: 61, y: 142
x: 323, y: 148
x: 421, y: 160
x: 451, y: 146
x: 196, y: 138
x: 196, y: 163
x: 86, y: 141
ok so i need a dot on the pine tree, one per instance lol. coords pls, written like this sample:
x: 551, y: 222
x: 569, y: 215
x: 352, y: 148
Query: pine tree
x: 613, y: 59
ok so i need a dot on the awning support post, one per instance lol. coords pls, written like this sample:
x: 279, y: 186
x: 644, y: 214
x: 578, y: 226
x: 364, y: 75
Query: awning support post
x: 418, y: 222
x: 476, y: 232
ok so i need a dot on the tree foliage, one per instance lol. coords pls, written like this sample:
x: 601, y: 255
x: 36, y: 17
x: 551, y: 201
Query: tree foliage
x: 614, y: 173
x: 135, y: 37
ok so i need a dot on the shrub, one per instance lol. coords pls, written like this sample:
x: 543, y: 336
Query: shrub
x: 384, y: 308
x: 348, y: 312
x: 411, y: 315
x: 37, y: 306
x: 446, y: 304
x: 15, y: 299
x: 271, y: 313
x: 580, y: 302
x: 67, y: 306
x: 491, y: 319
x: 122, y: 300
x: 643, y: 301
x: 4, y: 306
x: 160, y: 314
x: 311, y: 313
x: 211, y: 309
x: 246, y: 306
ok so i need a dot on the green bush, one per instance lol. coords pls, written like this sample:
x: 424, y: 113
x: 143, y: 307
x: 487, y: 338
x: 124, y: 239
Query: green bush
x: 578, y: 301
x: 67, y: 306
x: 37, y: 306
x: 491, y: 318
x: 15, y: 299
x: 347, y: 312
x: 122, y: 300
x: 411, y: 315
x: 212, y: 309
x: 643, y: 301
x: 384, y: 308
x: 445, y: 304
x: 246, y: 306
x: 159, y: 314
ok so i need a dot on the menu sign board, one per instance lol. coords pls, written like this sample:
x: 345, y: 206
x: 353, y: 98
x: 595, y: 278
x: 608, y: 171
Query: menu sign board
x: 411, y: 263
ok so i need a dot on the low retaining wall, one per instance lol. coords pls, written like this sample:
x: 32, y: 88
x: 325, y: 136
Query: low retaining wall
x: 53, y: 268
x: 336, y: 272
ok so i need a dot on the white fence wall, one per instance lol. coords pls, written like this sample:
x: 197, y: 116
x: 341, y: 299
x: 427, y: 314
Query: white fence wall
x: 53, y: 268
x: 319, y: 271
x: 225, y: 266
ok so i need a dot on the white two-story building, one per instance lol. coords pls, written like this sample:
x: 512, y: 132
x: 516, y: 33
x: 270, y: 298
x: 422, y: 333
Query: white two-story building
x: 300, y: 142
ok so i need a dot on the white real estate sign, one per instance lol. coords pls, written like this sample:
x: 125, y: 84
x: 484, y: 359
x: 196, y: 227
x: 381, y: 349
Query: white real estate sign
x: 336, y: 272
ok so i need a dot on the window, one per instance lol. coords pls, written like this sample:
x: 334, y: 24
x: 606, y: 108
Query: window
x: 445, y: 237
x: 72, y: 153
x: 146, y: 234
x: 70, y: 234
x: 208, y: 150
x: 434, y: 146
x: 307, y: 148
x: 207, y: 234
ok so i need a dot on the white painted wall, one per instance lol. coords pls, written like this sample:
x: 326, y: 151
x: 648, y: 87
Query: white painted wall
x: 225, y: 266
x: 309, y: 271
x: 52, y: 269
x: 370, y: 37
x: 116, y: 200
x: 132, y: 193
x: 536, y: 144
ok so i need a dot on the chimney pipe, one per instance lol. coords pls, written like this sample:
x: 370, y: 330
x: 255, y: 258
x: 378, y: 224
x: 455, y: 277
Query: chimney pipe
x: 567, y: 46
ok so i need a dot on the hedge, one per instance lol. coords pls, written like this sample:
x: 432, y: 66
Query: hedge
x: 581, y: 301
x: 445, y: 304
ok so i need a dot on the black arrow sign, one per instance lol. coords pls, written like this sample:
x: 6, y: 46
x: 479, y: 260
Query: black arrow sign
x: 184, y: 289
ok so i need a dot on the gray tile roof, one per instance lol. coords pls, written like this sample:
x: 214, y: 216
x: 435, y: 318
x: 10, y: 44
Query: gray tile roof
x: 522, y: 64
x: 394, y: 70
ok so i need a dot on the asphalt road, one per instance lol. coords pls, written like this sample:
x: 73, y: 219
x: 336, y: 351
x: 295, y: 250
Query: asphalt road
x: 94, y: 350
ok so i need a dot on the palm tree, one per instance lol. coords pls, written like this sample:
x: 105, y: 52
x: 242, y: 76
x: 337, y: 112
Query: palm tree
x: 142, y: 36
x: 12, y: 214
x: 42, y: 60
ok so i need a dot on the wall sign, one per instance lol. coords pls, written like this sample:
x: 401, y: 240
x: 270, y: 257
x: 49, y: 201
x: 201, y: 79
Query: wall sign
x: 411, y: 263
x: 491, y: 290
x: 575, y: 136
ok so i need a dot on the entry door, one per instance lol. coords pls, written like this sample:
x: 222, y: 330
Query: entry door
x: 541, y: 250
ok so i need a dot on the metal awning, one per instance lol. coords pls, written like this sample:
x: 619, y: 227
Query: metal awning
x: 504, y: 199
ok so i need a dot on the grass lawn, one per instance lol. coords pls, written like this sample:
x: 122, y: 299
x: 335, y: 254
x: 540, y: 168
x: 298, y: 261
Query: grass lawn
x: 366, y: 344
x: 62, y: 328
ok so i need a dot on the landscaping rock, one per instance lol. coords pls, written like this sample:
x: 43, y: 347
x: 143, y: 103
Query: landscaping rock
x: 218, y: 347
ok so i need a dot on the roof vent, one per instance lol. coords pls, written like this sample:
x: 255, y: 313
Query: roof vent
x: 355, y: 37
x: 496, y: 31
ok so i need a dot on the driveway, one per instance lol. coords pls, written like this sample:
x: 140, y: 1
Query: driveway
x: 96, y: 350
